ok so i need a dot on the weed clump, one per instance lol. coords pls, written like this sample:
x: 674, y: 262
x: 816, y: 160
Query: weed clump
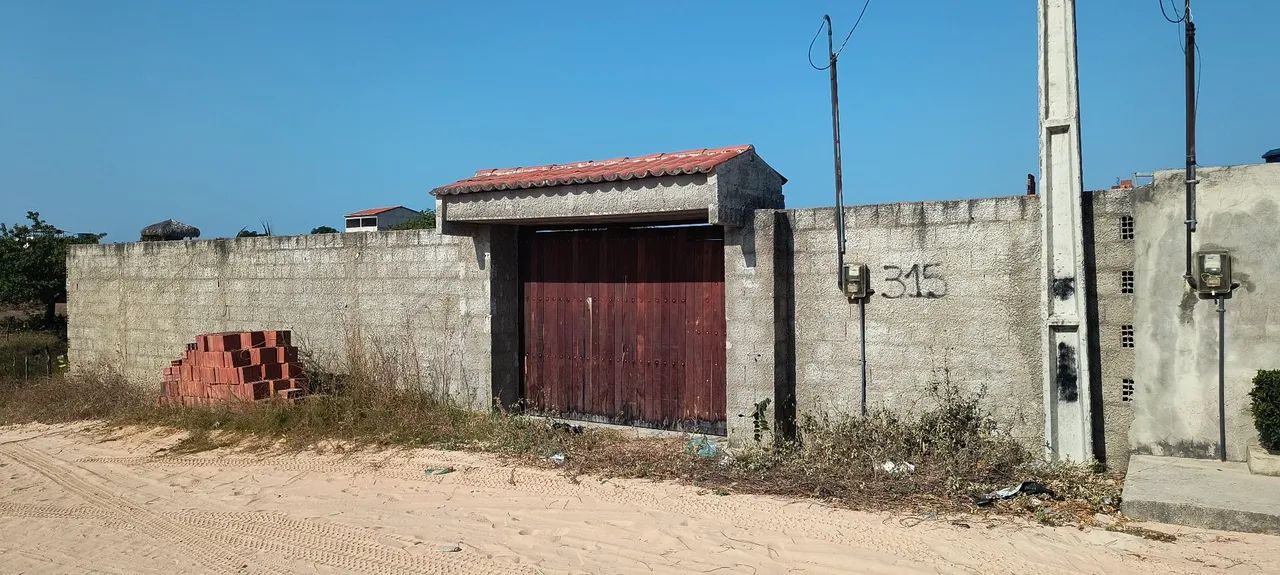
x: 68, y: 397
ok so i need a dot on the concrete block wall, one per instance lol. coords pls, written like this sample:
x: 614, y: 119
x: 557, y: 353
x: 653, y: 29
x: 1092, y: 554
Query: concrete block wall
x: 1110, y: 254
x: 753, y: 317
x: 1176, y: 338
x: 133, y: 306
x: 956, y: 300
x: 745, y: 184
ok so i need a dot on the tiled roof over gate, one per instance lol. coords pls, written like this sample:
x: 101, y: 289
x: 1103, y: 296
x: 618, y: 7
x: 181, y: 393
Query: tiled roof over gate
x: 669, y: 164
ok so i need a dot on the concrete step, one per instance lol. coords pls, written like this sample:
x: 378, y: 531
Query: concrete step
x: 1201, y: 493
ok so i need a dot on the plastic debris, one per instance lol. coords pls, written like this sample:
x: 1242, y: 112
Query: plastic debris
x: 449, y: 548
x: 557, y: 459
x: 438, y: 470
x: 702, y: 447
x: 1026, y: 487
x: 574, y: 429
x: 897, y: 468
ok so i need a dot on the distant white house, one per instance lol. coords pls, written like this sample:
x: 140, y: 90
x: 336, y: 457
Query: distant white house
x: 378, y: 219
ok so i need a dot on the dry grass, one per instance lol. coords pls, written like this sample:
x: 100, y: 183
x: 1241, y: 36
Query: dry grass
x: 29, y: 354
x: 68, y: 397
x: 956, y: 449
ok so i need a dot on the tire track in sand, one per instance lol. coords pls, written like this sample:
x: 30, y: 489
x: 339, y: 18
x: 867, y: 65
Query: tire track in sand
x: 335, y: 544
x: 824, y: 527
x: 351, y: 549
x: 159, y: 528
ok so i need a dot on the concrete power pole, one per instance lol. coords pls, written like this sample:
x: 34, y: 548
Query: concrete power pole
x: 1068, y: 421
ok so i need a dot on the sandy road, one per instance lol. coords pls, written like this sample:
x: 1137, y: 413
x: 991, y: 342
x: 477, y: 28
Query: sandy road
x: 77, y: 500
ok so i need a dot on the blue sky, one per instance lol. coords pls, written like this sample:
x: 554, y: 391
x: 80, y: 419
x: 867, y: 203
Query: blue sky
x: 225, y: 114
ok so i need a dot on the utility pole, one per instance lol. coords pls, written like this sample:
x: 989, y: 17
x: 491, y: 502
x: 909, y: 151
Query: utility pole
x: 835, y: 141
x: 854, y: 285
x: 1068, y: 421
x: 1190, y: 54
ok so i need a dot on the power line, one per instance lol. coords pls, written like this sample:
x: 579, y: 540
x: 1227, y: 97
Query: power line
x: 815, y: 39
x: 1199, y: 75
x: 855, y: 27
x: 1199, y: 56
x: 846, y: 37
x: 1175, y: 12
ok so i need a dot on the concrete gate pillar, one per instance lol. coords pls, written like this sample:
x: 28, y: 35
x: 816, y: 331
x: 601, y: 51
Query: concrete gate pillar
x: 1068, y: 421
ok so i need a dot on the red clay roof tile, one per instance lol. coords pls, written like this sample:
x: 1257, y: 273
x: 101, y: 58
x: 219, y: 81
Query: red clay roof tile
x: 669, y: 164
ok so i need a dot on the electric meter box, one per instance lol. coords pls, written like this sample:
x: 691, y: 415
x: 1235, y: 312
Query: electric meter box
x: 856, y: 280
x: 1213, y: 274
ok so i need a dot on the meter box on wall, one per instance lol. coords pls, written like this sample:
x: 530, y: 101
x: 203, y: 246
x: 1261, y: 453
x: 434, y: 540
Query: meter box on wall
x: 1213, y: 274
x: 856, y: 281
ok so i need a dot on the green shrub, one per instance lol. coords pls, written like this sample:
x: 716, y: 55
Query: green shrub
x: 1266, y: 408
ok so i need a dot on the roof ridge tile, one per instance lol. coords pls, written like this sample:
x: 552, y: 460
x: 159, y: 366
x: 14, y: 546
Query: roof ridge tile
x: 701, y: 160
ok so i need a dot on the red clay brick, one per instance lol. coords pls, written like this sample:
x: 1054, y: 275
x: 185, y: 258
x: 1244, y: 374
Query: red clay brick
x: 219, y: 392
x: 281, y: 370
x: 290, y: 394
x: 261, y: 390
x: 226, y: 341
x: 265, y: 355
x: 246, y: 374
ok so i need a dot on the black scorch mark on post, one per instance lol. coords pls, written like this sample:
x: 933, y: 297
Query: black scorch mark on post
x: 1068, y: 386
x: 1064, y: 287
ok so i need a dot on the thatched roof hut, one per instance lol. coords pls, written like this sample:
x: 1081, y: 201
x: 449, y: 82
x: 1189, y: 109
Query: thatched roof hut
x: 169, y: 230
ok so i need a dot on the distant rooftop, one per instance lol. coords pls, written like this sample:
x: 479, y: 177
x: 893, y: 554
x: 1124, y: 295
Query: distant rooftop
x: 372, y: 211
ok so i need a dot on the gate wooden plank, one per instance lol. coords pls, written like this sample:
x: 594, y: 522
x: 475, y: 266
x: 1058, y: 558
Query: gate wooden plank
x: 688, y: 352
x: 717, y: 381
x: 639, y: 385
x: 533, y: 328
x: 631, y: 371
x: 671, y: 336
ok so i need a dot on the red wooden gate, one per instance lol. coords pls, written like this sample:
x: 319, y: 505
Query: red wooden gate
x: 626, y: 326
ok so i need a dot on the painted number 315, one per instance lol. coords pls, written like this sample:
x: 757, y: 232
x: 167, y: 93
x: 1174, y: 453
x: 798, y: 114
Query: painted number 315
x: 918, y: 281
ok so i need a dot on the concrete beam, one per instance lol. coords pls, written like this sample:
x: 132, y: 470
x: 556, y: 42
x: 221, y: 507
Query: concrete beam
x: 1068, y: 420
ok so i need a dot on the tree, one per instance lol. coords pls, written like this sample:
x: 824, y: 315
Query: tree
x: 323, y: 230
x: 425, y: 221
x: 33, y: 263
x: 248, y: 233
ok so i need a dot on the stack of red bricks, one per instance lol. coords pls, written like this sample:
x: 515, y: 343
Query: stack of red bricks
x: 230, y: 367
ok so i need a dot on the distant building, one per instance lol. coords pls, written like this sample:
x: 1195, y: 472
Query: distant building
x: 378, y: 219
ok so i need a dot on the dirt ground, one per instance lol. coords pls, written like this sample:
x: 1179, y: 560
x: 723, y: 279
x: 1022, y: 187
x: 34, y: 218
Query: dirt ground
x: 76, y: 499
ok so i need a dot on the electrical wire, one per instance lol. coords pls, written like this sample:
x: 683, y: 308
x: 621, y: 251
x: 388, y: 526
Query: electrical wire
x: 1181, y: 44
x: 1199, y: 76
x: 815, y: 39
x: 1175, y: 12
x: 846, y: 37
